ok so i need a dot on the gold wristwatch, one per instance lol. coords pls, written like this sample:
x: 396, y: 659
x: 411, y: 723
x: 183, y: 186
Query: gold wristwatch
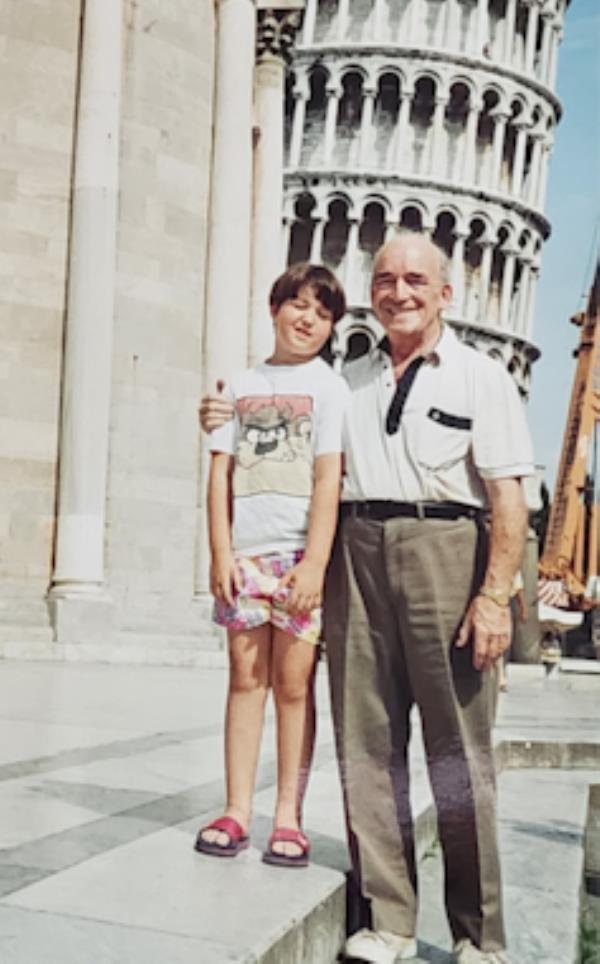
x: 500, y: 596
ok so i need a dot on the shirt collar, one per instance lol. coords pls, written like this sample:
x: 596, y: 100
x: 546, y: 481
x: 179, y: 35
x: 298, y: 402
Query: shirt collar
x: 441, y: 352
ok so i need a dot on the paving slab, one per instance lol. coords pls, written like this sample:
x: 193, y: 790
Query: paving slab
x: 127, y: 762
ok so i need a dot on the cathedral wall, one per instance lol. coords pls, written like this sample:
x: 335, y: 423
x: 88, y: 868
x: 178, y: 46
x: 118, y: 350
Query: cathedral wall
x: 38, y: 65
x: 153, y: 460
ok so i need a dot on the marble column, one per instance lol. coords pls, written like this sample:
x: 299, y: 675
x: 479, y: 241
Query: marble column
x: 547, y: 33
x: 276, y: 30
x: 485, y: 272
x: 543, y: 175
x: 80, y: 609
x: 534, y: 170
x: 286, y: 233
x: 533, y: 280
x: 310, y: 17
x: 500, y: 121
x: 521, y: 326
x: 553, y: 64
x: 333, y: 96
x: 531, y: 35
x: 458, y: 275
x: 482, y: 32
x: 437, y: 156
x: 316, y: 243
x: 350, y: 259
x: 402, y: 129
x: 452, y: 25
x: 508, y: 277
x: 408, y: 30
x: 519, y: 158
x: 509, y: 30
x: 343, y: 14
x: 470, y: 144
x: 229, y: 224
x: 301, y: 95
x: 379, y: 9
x: 366, y: 126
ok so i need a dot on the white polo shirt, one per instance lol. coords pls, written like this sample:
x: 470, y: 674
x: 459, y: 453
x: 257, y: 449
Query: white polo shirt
x: 463, y: 421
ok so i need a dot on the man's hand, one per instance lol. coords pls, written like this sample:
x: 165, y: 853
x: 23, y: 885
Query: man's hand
x: 305, y: 580
x: 215, y: 410
x: 225, y: 579
x: 490, y: 628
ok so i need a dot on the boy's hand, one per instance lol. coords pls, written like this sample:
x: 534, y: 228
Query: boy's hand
x: 225, y: 579
x: 215, y: 410
x: 305, y: 580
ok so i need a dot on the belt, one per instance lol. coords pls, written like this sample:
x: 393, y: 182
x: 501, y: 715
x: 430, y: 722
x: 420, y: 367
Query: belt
x: 381, y: 509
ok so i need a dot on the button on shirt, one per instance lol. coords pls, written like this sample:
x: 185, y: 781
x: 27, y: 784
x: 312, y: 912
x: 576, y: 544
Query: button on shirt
x: 462, y: 422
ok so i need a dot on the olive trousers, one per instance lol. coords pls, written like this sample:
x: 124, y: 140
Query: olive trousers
x: 395, y: 596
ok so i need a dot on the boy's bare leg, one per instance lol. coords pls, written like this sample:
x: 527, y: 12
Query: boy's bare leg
x: 293, y: 663
x: 249, y: 671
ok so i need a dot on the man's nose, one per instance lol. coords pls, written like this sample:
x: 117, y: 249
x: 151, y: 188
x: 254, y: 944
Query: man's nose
x: 401, y: 289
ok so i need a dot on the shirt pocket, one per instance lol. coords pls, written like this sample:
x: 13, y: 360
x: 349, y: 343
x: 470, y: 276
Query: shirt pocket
x: 443, y: 440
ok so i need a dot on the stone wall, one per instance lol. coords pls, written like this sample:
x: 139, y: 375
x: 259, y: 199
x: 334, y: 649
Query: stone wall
x: 38, y: 67
x: 153, y: 480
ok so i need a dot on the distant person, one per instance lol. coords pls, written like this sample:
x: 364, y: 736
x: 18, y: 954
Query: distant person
x: 273, y: 496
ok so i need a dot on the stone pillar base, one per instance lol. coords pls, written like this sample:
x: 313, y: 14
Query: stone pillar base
x: 82, y: 618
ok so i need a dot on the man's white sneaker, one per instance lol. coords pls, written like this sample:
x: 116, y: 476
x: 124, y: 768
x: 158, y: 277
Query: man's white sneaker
x: 380, y: 947
x: 466, y: 953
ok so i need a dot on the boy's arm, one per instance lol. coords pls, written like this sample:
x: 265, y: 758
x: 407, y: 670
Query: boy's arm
x: 215, y: 410
x: 306, y: 579
x: 223, y: 574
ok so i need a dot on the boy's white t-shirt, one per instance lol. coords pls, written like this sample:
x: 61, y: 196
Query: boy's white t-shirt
x: 285, y: 415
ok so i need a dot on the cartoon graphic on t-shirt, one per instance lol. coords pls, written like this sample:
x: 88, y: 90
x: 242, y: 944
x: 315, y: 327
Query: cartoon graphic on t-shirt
x: 274, y: 448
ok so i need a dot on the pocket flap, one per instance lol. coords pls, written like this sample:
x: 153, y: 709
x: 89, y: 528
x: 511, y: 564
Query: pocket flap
x: 451, y: 421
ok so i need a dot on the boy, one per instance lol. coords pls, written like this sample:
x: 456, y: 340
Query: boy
x: 279, y: 463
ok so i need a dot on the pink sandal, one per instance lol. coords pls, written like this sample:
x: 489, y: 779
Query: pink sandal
x: 287, y: 835
x: 238, y: 840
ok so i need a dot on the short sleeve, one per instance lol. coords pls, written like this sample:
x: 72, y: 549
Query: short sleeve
x: 225, y: 438
x: 331, y: 412
x: 501, y: 441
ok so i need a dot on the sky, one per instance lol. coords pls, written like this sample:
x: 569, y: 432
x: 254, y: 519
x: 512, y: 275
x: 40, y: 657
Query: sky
x: 573, y: 209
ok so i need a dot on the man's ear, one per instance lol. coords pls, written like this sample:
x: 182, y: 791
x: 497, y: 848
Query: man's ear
x: 447, y: 294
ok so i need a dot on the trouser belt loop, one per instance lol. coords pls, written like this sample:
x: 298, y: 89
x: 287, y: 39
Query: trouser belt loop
x: 420, y: 510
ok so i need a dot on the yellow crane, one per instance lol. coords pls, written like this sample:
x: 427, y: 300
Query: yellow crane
x: 570, y: 556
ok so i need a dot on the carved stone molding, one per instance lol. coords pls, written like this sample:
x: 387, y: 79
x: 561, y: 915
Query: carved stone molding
x: 276, y: 32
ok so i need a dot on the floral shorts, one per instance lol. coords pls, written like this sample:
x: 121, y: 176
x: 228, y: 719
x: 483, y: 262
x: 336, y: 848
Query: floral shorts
x: 259, y: 602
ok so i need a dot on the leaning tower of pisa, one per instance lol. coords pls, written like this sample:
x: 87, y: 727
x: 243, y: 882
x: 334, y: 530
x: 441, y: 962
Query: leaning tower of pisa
x: 431, y: 114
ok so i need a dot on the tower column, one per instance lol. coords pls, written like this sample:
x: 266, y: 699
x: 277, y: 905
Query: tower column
x: 366, y: 126
x: 458, y: 274
x: 79, y: 609
x: 286, y: 233
x: 343, y: 15
x: 509, y: 30
x: 553, y: 59
x: 316, y: 243
x: 378, y: 20
x: 534, y: 180
x: 468, y: 165
x: 500, y: 121
x: 450, y: 37
x: 300, y: 100
x: 528, y: 319
x: 438, y: 138
x: 547, y: 20
x: 275, y: 34
x: 519, y: 158
x: 531, y: 35
x: 408, y: 33
x: 402, y: 128
x: 350, y: 259
x: 521, y: 325
x: 540, y: 200
x: 508, y: 277
x: 333, y: 95
x: 482, y: 33
x: 310, y: 18
x: 485, y: 272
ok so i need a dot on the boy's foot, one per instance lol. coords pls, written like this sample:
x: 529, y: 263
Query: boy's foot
x: 380, y: 947
x: 466, y: 953
x: 280, y: 857
x: 224, y: 837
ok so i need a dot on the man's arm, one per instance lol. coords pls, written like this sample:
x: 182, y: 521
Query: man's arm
x: 306, y: 578
x: 488, y: 623
x: 215, y: 410
x: 224, y: 579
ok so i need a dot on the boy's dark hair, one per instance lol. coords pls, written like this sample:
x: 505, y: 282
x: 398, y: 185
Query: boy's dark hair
x: 323, y: 282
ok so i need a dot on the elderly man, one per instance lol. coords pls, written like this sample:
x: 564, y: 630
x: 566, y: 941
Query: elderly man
x: 417, y: 602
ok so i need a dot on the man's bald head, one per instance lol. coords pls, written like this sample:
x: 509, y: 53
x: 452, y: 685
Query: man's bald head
x: 406, y: 237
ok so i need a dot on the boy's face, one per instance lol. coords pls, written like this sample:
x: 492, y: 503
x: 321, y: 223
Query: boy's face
x: 302, y: 326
